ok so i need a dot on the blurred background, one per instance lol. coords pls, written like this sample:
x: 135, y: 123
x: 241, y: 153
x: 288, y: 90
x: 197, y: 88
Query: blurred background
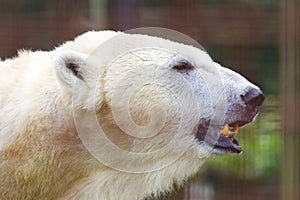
x: 257, y: 38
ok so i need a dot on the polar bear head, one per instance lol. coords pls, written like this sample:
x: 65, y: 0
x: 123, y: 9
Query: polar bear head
x: 142, y: 103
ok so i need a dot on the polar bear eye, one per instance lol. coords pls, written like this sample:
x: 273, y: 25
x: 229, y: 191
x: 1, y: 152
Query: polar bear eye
x: 183, y: 66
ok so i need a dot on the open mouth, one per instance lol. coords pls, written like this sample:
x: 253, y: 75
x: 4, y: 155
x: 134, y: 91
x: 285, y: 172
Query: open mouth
x: 227, y: 140
x: 221, y: 138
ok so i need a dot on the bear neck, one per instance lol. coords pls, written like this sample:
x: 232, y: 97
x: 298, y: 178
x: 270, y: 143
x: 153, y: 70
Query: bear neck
x: 107, y: 183
x: 112, y: 184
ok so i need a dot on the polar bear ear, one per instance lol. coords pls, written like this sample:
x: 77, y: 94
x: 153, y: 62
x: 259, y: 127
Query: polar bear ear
x: 70, y: 67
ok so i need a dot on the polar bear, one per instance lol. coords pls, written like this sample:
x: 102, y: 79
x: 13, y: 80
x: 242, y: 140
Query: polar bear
x: 112, y: 115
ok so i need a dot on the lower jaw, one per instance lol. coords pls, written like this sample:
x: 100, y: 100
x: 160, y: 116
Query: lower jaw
x: 224, y: 151
x: 219, y: 143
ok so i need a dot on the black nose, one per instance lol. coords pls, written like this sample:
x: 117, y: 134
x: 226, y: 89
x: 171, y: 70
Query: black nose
x: 253, y: 98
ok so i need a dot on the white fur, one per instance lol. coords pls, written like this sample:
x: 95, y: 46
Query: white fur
x: 123, y: 80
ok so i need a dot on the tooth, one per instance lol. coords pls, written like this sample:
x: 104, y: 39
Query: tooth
x: 231, y: 134
x: 235, y: 129
x: 225, y: 130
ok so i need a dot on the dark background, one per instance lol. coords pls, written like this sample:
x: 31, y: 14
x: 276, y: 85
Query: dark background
x: 259, y: 39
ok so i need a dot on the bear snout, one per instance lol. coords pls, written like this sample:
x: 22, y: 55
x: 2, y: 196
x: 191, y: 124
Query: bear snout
x: 253, y: 98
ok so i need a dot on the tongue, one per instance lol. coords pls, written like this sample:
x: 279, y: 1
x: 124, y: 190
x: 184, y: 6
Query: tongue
x: 228, y: 144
